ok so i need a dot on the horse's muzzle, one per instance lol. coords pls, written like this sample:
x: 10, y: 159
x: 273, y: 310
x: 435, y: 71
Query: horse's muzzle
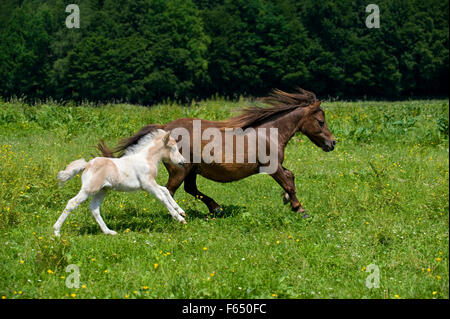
x: 183, y: 164
x: 328, y: 147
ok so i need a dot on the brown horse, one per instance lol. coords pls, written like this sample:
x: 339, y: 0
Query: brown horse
x: 289, y: 113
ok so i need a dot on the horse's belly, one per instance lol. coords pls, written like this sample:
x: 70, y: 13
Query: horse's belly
x: 227, y: 172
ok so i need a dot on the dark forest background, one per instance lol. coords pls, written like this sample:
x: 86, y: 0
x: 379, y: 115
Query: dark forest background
x: 145, y: 51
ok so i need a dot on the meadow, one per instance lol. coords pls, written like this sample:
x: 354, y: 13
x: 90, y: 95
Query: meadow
x: 380, y: 198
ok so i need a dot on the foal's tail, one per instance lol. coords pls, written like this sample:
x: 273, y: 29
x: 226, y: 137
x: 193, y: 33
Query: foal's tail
x: 71, y: 170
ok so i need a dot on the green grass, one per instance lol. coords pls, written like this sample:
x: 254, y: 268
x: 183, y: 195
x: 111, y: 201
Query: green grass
x: 380, y: 198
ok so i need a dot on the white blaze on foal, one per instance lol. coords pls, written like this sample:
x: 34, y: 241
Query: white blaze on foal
x: 135, y: 170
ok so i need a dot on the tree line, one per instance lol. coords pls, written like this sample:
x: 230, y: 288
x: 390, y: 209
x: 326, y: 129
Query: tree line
x: 145, y: 51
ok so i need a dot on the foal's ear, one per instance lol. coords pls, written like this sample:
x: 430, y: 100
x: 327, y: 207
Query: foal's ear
x: 166, y: 137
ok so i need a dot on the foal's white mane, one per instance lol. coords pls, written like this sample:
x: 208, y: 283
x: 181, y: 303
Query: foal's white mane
x: 143, y: 142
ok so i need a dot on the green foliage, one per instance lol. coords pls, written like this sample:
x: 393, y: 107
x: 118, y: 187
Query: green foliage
x: 381, y: 197
x: 145, y: 51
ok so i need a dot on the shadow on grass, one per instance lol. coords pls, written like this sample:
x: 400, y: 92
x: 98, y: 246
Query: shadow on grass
x: 135, y: 220
x: 227, y: 211
x: 138, y: 221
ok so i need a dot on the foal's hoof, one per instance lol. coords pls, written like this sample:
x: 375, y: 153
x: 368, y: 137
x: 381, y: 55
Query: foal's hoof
x: 183, y: 222
x: 56, y: 233
x: 111, y: 232
x: 183, y: 214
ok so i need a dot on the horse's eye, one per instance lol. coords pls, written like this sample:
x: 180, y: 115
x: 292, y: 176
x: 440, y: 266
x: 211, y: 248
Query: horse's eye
x: 321, y: 123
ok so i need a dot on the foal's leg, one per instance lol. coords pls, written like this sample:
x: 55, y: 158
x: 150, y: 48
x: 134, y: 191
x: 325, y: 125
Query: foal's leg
x: 172, y: 201
x: 176, y: 177
x: 285, y: 178
x: 155, y: 189
x: 71, y: 205
x: 95, y: 209
x: 190, y: 186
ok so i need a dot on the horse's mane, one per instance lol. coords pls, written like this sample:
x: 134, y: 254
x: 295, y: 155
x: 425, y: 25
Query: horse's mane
x: 281, y: 102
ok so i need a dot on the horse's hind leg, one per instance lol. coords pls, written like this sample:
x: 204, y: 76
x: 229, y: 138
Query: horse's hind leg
x: 71, y: 205
x: 95, y: 209
x: 190, y: 186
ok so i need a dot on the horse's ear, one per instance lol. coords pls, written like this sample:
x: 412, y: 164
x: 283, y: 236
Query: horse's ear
x: 315, y: 106
x: 317, y: 103
x: 166, y: 137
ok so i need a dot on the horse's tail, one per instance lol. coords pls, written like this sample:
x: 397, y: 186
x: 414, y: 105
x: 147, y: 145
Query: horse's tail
x: 71, y: 170
x: 126, y: 142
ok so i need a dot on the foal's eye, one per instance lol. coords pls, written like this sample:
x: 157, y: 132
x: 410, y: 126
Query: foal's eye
x: 321, y: 123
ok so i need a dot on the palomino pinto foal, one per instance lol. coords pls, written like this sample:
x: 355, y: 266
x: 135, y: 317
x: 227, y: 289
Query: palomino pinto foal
x: 136, y: 170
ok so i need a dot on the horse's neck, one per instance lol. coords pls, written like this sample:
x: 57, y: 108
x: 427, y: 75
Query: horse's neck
x: 287, y: 125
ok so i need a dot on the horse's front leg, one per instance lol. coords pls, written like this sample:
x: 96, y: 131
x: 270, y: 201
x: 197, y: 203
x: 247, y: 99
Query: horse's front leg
x: 176, y: 177
x: 190, y: 186
x: 286, y: 179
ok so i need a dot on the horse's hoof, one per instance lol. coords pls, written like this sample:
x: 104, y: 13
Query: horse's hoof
x: 111, y: 232
x: 183, y: 222
x: 299, y: 210
x: 217, y: 210
x: 306, y: 216
x: 183, y: 214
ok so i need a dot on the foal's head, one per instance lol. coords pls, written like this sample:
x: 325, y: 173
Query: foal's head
x: 170, y: 152
x: 314, y: 126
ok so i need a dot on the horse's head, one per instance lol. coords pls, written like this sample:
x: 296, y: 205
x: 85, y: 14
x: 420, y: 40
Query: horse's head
x: 314, y: 126
x: 171, y: 152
